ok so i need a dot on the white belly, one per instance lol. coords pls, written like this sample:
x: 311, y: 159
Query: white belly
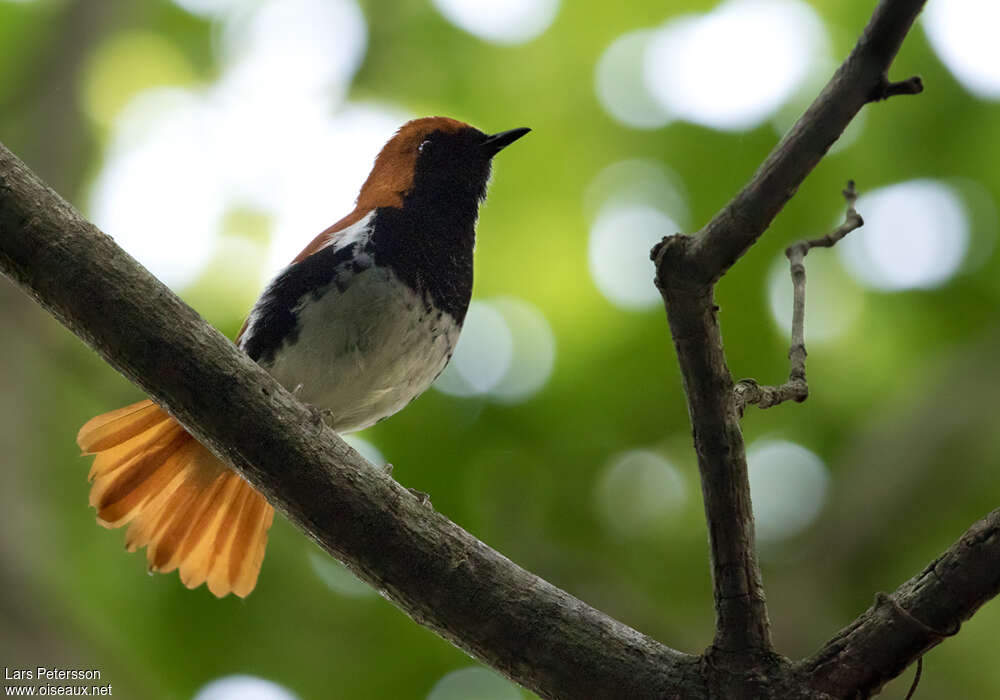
x: 365, y: 352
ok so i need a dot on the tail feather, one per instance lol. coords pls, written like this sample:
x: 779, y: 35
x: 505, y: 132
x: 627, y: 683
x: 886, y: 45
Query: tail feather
x: 218, y: 574
x: 242, y: 570
x: 182, y: 503
x: 198, y: 551
x: 177, y: 519
x: 120, y: 495
x: 109, y: 429
x: 109, y: 459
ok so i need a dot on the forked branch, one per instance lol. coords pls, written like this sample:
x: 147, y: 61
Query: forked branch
x: 687, y: 269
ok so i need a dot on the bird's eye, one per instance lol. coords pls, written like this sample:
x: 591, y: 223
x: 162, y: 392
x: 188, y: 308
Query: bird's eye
x: 423, y: 145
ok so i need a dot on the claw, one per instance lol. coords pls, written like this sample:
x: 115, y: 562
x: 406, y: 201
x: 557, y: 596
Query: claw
x: 425, y: 499
x: 319, y: 415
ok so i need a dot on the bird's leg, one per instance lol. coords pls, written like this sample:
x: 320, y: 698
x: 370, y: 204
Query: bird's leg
x: 318, y: 414
x: 424, y: 498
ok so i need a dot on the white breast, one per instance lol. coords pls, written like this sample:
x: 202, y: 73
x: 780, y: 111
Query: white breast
x: 365, y: 352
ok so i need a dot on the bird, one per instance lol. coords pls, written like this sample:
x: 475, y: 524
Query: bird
x: 359, y: 324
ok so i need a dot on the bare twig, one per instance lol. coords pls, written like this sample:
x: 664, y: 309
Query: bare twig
x: 916, y: 679
x: 886, y: 89
x: 748, y: 391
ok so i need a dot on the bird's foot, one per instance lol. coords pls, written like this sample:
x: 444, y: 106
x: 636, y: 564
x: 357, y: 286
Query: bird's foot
x: 319, y: 415
x: 425, y: 499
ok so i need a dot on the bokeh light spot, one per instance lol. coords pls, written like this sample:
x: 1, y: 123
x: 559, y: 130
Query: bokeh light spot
x: 338, y: 578
x: 638, y: 493
x: 365, y: 449
x: 620, y: 240
x: 916, y: 235
x: 243, y: 688
x: 833, y: 300
x: 733, y: 67
x: 474, y: 683
x: 963, y: 33
x: 506, y: 351
x: 304, y: 191
x: 261, y: 138
x: 294, y: 47
x: 482, y: 355
x: 618, y: 80
x: 533, y: 351
x: 788, y: 485
x: 125, y: 65
x: 160, y: 196
x: 208, y: 8
x: 500, y: 21
x: 637, y: 181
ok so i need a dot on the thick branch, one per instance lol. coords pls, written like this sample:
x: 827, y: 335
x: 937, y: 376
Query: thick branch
x: 440, y: 575
x: 748, y: 391
x: 742, y: 627
x: 902, y: 627
x: 859, y: 80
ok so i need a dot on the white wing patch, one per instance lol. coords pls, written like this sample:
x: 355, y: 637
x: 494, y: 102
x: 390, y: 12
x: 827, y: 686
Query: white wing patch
x: 359, y: 233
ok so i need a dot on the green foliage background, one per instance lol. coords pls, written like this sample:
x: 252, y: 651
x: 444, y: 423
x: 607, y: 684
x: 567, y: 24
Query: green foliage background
x: 902, y: 410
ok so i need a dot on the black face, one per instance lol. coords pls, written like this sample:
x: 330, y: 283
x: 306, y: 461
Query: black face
x: 460, y: 160
x: 428, y: 241
x: 454, y: 160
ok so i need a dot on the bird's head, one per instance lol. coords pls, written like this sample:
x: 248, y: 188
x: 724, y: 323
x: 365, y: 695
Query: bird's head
x: 436, y: 157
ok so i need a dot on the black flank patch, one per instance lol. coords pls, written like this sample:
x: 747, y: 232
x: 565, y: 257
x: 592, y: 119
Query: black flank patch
x: 275, y: 319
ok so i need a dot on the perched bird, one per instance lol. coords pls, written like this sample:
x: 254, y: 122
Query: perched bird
x: 359, y: 324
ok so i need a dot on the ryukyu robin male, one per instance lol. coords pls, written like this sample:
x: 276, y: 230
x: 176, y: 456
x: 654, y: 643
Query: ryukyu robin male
x: 359, y: 324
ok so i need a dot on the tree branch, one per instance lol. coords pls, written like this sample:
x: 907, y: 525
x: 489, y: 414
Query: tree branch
x: 742, y: 629
x: 919, y: 615
x: 748, y: 391
x: 687, y: 268
x: 859, y: 80
x: 440, y: 575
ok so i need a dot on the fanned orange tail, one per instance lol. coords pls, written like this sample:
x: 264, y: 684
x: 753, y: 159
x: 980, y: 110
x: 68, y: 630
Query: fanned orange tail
x: 180, y: 501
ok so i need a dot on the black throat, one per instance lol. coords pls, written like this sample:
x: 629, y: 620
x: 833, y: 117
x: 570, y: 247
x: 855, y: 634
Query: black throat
x: 428, y: 242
